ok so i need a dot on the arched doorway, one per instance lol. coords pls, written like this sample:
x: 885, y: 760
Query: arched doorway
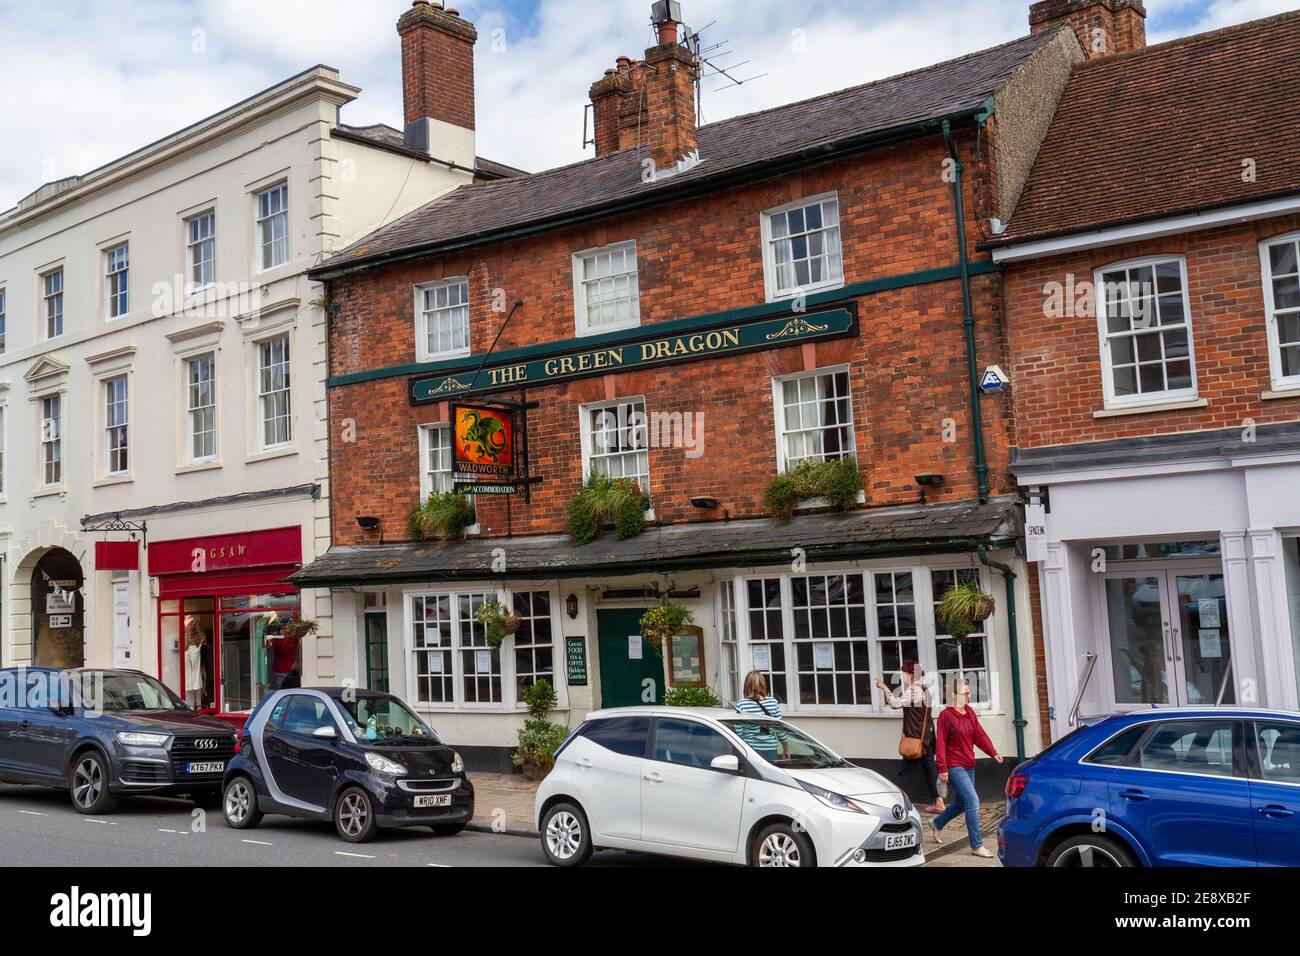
x: 58, y: 610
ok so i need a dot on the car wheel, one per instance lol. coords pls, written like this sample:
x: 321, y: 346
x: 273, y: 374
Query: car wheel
x: 447, y: 829
x: 88, y: 783
x: 782, y: 845
x: 354, y: 816
x: 1091, y: 849
x: 239, y: 804
x: 566, y: 838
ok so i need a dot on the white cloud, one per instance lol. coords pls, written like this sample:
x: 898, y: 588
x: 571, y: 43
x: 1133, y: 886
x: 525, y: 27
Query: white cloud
x: 86, y: 83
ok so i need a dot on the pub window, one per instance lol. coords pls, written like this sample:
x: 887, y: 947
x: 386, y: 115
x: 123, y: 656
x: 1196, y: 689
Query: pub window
x: 814, y: 416
x: 435, y: 460
x: 801, y: 247
x: 534, y: 641
x: 895, y: 623
x: 1146, y: 334
x: 273, y: 395
x: 832, y: 645
x: 605, y: 289
x: 52, y: 441
x: 614, y: 441
x: 115, y: 425
x: 443, y: 312
x: 727, y: 636
x: 480, y: 664
x: 431, y: 626
x: 767, y: 634
x: 1281, y: 266
x: 965, y: 659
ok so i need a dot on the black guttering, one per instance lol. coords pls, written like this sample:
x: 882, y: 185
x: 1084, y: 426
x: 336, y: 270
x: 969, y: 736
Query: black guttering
x: 297, y: 491
x: 672, y: 190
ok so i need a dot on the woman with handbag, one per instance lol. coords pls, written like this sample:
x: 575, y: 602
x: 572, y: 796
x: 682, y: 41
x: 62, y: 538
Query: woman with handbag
x: 770, y: 742
x: 918, y: 775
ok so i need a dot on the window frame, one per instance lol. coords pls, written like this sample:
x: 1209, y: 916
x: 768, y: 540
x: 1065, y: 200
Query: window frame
x: 1279, y: 381
x: 191, y: 246
x: 55, y: 442
x: 188, y: 410
x: 511, y: 701
x: 117, y: 281
x: 261, y: 397
x: 772, y: 290
x: 106, y: 385
x: 1142, y: 399
x: 424, y: 436
x: 4, y: 318
x: 260, y: 222
x: 581, y: 313
x: 47, y: 301
x: 586, y: 413
x: 4, y: 447
x: 778, y: 413
x: 422, y: 351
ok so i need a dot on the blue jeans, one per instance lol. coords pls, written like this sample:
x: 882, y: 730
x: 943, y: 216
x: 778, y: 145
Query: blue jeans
x: 963, y: 785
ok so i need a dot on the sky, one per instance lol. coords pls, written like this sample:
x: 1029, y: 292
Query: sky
x: 86, y: 82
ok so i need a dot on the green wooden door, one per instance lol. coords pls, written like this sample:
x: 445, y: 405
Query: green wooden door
x: 626, y: 680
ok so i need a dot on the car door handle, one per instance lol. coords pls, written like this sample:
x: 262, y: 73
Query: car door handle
x: 654, y: 776
x: 585, y: 763
x: 1275, y: 812
x: 1135, y: 795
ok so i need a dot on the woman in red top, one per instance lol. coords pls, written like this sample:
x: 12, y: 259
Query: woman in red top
x: 956, y: 737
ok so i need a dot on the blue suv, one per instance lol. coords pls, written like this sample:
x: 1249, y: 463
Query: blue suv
x: 1168, y: 787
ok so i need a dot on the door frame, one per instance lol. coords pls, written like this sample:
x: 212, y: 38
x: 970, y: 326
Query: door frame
x: 1166, y: 572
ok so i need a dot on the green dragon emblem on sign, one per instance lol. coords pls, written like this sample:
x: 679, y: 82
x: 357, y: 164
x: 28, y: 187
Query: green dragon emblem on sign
x: 487, y: 435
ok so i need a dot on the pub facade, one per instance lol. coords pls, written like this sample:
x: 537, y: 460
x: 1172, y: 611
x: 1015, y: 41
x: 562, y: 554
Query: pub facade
x: 697, y: 311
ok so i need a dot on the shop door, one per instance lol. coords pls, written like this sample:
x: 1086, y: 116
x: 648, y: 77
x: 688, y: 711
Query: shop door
x: 1168, y: 637
x: 631, y: 668
x: 123, y: 646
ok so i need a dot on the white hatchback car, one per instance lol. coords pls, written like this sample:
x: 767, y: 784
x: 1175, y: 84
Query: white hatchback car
x: 713, y: 784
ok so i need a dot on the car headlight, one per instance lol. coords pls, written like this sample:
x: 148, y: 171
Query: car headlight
x: 836, y: 801
x: 384, y: 765
x: 136, y: 739
x: 457, y: 765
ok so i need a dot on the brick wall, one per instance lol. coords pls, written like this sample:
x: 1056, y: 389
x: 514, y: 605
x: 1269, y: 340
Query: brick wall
x: 907, y: 367
x: 1056, y: 364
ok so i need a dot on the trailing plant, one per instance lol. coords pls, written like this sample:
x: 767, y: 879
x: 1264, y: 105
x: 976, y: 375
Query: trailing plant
x: 539, y: 738
x: 690, y: 697
x: 498, y: 621
x: 963, y: 606
x: 443, y: 515
x: 835, y: 480
x: 606, y: 502
x: 664, y: 621
x: 298, y: 628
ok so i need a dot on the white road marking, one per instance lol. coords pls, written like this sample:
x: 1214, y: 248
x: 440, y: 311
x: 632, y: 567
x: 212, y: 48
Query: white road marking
x: 33, y: 813
x: 361, y: 856
x: 443, y: 865
x: 161, y: 830
x: 111, y: 823
x: 257, y: 842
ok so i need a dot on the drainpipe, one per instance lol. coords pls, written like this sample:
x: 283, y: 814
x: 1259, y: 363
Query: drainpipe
x: 1017, y: 706
x: 968, y: 317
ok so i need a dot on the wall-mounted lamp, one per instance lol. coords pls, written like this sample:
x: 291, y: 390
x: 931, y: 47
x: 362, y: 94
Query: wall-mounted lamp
x: 704, y: 501
x: 928, y: 481
x: 571, y: 605
x: 367, y: 522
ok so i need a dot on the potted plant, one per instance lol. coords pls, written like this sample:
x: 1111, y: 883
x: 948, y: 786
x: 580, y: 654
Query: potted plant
x: 601, y: 503
x: 963, y: 606
x: 539, y: 738
x: 690, y: 697
x: 836, y: 481
x: 443, y: 515
x: 662, y: 622
x: 498, y: 621
x: 298, y: 628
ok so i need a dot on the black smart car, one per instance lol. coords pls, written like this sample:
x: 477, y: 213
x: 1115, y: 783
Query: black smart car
x: 102, y: 734
x: 360, y: 758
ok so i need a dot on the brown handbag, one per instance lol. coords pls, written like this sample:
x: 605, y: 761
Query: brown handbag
x: 913, y: 748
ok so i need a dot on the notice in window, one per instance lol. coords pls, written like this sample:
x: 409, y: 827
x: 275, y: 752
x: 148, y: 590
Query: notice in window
x: 824, y: 655
x: 1211, y: 642
x: 1208, y: 612
x: 483, y: 662
x: 762, y: 657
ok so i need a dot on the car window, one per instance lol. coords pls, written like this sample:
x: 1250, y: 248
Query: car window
x: 1190, y: 746
x: 1116, y: 750
x: 688, y: 743
x: 305, y: 714
x: 623, y: 735
x: 1279, y: 750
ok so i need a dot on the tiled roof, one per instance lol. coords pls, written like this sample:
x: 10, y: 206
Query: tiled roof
x: 930, y: 528
x: 726, y: 148
x: 386, y: 137
x: 1170, y: 129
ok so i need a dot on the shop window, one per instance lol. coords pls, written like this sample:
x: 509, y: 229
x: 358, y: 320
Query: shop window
x: 801, y: 247
x: 480, y: 665
x: 443, y: 310
x: 814, y: 415
x: 534, y: 641
x: 605, y: 289
x: 831, y: 644
x: 431, y: 627
x: 614, y: 441
x: 960, y: 659
x: 1281, y: 268
x: 1146, y: 333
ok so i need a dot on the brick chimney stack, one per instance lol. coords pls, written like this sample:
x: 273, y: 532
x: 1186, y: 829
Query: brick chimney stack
x: 438, y: 82
x: 650, y: 102
x: 1104, y: 27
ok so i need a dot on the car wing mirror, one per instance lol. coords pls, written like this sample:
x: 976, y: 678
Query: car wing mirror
x: 325, y: 733
x: 727, y: 763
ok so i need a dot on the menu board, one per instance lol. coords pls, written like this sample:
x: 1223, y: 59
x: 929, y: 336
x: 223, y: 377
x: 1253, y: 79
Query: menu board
x: 686, y: 658
x: 576, y: 655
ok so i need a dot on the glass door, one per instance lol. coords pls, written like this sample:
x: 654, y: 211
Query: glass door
x: 1167, y: 638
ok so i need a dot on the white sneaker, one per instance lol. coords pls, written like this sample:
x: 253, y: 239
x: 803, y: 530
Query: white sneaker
x: 938, y: 834
x: 981, y: 851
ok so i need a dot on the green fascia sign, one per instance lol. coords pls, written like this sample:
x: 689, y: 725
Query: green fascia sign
x: 647, y: 350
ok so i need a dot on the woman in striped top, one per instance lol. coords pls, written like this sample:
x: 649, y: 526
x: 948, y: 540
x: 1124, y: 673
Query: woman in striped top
x: 757, y: 702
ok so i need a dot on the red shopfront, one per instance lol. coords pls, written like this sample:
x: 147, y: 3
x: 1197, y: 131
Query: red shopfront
x: 222, y: 603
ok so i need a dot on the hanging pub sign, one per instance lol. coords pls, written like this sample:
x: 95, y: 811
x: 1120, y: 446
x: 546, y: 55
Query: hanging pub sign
x: 485, y: 449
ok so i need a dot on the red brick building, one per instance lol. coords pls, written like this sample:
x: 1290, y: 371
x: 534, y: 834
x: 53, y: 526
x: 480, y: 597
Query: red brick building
x: 1153, y: 324
x: 700, y: 310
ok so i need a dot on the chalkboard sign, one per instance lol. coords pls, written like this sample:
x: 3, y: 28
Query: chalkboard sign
x: 577, y: 657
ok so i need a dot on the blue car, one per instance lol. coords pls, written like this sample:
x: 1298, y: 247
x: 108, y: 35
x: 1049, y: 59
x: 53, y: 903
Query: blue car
x: 1194, y: 786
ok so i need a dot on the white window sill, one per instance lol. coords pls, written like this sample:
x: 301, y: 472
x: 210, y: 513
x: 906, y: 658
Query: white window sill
x: 1279, y: 392
x: 442, y: 356
x: 1151, y: 408
x: 50, y: 492
x: 812, y: 504
x: 272, y: 453
x: 584, y: 331
x: 108, y: 480
x: 209, y: 464
x: 789, y: 295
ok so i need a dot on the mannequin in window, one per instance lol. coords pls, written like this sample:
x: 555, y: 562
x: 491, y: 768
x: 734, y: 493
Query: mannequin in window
x: 198, y: 665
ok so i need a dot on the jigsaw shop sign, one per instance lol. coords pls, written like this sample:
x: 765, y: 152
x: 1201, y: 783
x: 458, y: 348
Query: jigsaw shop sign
x: 484, y: 448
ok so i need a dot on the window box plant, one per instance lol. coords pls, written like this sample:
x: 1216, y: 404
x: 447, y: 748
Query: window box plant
x: 444, y: 516
x: 836, y: 481
x: 603, y: 503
